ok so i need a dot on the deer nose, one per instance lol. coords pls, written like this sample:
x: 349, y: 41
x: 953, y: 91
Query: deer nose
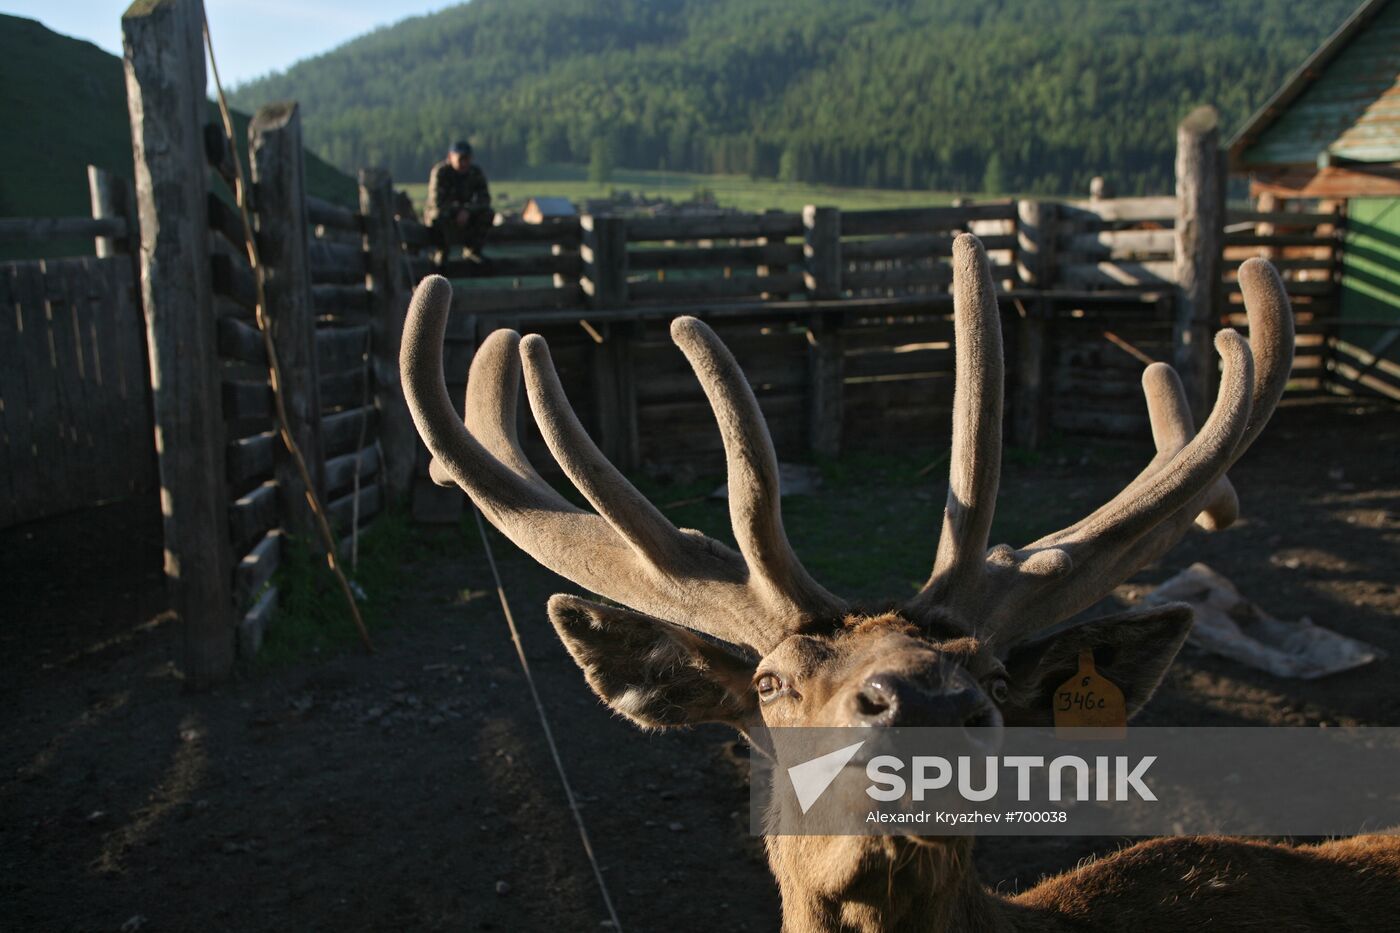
x: 894, y: 700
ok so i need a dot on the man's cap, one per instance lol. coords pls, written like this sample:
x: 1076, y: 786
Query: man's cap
x: 461, y: 147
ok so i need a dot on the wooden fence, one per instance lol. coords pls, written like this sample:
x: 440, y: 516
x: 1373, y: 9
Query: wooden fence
x: 74, y: 394
x: 841, y: 320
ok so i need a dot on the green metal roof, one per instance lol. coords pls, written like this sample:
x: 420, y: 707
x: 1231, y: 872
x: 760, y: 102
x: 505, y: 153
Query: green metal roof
x: 1343, y: 102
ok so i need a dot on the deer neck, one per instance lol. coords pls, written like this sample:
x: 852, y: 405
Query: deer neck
x: 862, y: 884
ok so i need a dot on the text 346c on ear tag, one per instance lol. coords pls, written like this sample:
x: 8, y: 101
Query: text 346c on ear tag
x: 1089, y: 700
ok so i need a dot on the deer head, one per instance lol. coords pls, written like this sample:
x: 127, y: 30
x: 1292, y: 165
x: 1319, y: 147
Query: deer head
x: 748, y: 637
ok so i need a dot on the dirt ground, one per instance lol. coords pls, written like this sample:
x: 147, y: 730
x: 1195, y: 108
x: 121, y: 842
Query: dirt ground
x: 412, y: 789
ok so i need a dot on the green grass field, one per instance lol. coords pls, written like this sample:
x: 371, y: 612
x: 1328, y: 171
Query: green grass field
x: 736, y: 191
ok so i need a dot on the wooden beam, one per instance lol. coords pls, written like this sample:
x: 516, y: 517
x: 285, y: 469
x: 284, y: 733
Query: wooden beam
x: 277, y: 158
x: 821, y: 251
x: 165, y: 79
x: 390, y: 291
x: 1200, y: 195
x: 826, y: 404
x: 604, y: 254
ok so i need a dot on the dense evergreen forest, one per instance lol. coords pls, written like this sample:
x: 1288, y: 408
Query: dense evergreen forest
x: 974, y: 95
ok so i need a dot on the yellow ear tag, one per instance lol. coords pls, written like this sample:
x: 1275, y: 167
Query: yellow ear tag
x: 1089, y: 700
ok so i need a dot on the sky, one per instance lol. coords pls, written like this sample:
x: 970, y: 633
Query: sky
x: 251, y: 37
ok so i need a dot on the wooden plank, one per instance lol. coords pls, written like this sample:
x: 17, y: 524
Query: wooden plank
x: 250, y: 458
x: 1145, y: 274
x: 713, y: 227
x: 506, y: 266
x: 252, y: 628
x: 241, y: 341
x: 255, y: 569
x: 705, y: 257
x: 342, y: 511
x: 914, y: 246
x: 342, y: 431
x: 340, y: 300
x: 55, y: 228
x: 341, y: 348
x: 471, y: 300
x: 1138, y: 209
x: 340, y: 471
x: 1282, y: 239
x: 826, y: 385
x: 564, y: 230
x: 605, y: 259
x: 325, y: 214
x: 922, y: 219
x: 231, y: 277
x: 247, y: 401
x: 252, y: 515
x: 20, y: 480
x: 336, y: 262
x: 348, y: 389
x: 690, y: 289
x: 1122, y: 244
x: 1281, y: 218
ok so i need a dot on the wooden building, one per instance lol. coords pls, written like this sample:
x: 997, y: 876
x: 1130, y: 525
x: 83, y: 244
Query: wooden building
x: 539, y: 210
x: 1332, y: 133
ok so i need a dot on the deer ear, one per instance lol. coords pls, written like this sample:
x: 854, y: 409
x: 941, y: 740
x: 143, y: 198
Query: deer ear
x: 1132, y: 649
x: 654, y: 673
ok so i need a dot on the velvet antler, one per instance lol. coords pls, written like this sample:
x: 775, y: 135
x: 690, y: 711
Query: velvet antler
x: 627, y: 550
x: 1006, y: 595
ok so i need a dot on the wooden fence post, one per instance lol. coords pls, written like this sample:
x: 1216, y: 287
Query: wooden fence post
x: 111, y: 197
x: 275, y: 151
x: 821, y: 247
x: 826, y: 383
x: 1199, y: 235
x: 165, y: 79
x: 615, y: 395
x: 1035, y: 244
x: 604, y: 260
x: 390, y: 289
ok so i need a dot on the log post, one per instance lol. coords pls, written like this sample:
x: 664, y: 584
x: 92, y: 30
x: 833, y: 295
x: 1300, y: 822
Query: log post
x: 390, y: 290
x: 163, y: 59
x: 615, y: 395
x: 1035, y: 244
x: 604, y: 253
x: 821, y: 248
x: 111, y: 197
x: 826, y: 372
x: 1031, y: 395
x: 1199, y: 235
x: 279, y: 178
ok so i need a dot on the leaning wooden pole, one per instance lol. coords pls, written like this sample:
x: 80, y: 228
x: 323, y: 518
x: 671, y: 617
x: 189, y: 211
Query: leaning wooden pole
x: 275, y: 151
x: 165, y: 79
x: 1200, y: 230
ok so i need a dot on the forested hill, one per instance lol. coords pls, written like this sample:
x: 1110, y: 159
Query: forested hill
x: 994, y: 95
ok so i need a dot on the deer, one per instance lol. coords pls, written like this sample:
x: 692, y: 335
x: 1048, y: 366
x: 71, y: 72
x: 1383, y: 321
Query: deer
x: 694, y: 631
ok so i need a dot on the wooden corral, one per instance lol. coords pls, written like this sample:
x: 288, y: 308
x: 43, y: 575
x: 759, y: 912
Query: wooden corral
x: 842, y: 321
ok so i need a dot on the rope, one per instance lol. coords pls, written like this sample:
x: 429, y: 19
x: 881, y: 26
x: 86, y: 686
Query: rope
x: 274, y: 366
x: 544, y: 723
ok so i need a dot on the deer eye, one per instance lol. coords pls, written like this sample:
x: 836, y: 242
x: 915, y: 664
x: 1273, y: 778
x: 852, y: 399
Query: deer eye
x: 768, y: 686
x: 999, y: 690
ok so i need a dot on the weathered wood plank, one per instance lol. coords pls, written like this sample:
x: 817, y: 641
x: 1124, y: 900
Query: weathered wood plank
x: 340, y: 300
x: 340, y: 471
x: 255, y: 569
x: 55, y: 228
x: 337, y: 263
x: 1200, y: 195
x: 323, y: 213
x: 506, y: 266
x: 252, y: 515
x: 343, y: 511
x: 230, y: 276
x: 705, y: 257
x: 251, y: 457
x: 716, y: 227
x: 341, y: 348
x: 922, y: 219
x: 252, y: 628
x: 342, y: 431
x: 469, y: 300
x: 914, y: 246
x: 241, y: 341
x: 739, y: 285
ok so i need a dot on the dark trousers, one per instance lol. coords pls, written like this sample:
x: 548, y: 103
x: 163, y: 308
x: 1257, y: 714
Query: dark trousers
x: 471, y: 234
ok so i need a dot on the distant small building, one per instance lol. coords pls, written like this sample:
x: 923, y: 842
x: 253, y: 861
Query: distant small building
x: 539, y: 210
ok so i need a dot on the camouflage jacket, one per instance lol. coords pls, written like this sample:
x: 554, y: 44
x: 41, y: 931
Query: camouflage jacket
x: 450, y: 191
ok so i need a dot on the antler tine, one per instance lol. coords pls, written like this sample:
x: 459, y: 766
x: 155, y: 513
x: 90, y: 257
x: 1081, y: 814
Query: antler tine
x: 1127, y: 532
x: 630, y: 553
x: 602, y: 484
x: 974, y: 468
x: 755, y: 496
